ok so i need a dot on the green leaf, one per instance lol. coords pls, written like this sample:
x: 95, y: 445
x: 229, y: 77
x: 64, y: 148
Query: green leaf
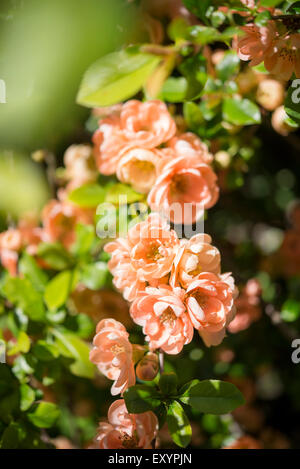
x: 57, y: 290
x: 174, y: 89
x: 193, y: 115
x: 168, y: 384
x: 12, y: 436
x: 292, y: 101
x: 198, y: 7
x: 94, y: 275
x: 116, y: 77
x: 45, y: 351
x: 88, y: 195
x: 22, y: 345
x: 27, y: 397
x: 71, y: 346
x: 55, y: 255
x: 44, y: 415
x: 141, y: 398
x: 263, y: 18
x: 228, y: 66
x: 203, y: 34
x: 118, y: 190
x: 85, y: 236
x: 270, y: 3
x: 294, y: 8
x: 241, y: 111
x: 179, y: 425
x: 22, y: 293
x: 29, y: 268
x: 290, y: 310
x: 177, y: 29
x: 213, y: 397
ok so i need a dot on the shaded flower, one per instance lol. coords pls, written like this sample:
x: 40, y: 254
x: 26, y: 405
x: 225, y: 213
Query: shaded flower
x: 127, y: 431
x: 112, y: 353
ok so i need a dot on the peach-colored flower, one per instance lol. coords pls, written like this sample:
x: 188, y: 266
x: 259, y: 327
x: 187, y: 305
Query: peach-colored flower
x: 209, y: 300
x: 80, y: 166
x: 162, y: 314
x: 109, y: 142
x: 188, y: 144
x: 256, y: 42
x: 194, y: 256
x: 112, y: 353
x: 60, y: 219
x: 146, y: 255
x: 284, y: 58
x: 153, y: 248
x: 147, y: 124
x: 248, y: 308
x: 142, y: 125
x: 127, y: 431
x: 139, y: 167
x: 10, y: 245
x: 185, y: 187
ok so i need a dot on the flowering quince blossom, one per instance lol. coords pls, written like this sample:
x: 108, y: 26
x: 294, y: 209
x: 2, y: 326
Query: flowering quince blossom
x: 188, y: 144
x: 80, y: 166
x: 284, y: 58
x: 193, y: 257
x: 60, y: 219
x: 127, y: 431
x: 210, y: 304
x: 184, y: 183
x: 10, y: 245
x: 112, y: 353
x: 138, y: 125
x: 146, y: 255
x: 256, y: 42
x: 162, y: 314
x: 139, y: 167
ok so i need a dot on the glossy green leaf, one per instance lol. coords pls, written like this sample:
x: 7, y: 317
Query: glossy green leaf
x: 88, y: 195
x: 29, y: 268
x: 71, y: 346
x: 55, y: 255
x: 241, y: 111
x: 27, y: 397
x: 116, y: 77
x: 228, y: 66
x: 213, y: 397
x: 174, y: 89
x: 22, y: 293
x: 141, y: 398
x: 122, y: 193
x: 44, y: 415
x: 179, y: 425
x: 57, y: 290
x: 168, y: 384
x: 94, y: 275
x: 22, y: 345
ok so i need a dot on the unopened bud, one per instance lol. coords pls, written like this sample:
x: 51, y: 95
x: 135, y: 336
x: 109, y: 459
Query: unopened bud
x: 279, y: 123
x: 148, y: 367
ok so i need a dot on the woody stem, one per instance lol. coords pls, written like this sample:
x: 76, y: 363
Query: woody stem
x: 161, y: 361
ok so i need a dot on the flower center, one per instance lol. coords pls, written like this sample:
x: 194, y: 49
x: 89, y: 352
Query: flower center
x: 168, y: 316
x: 117, y: 349
x: 128, y: 442
x: 178, y: 185
x: 153, y: 251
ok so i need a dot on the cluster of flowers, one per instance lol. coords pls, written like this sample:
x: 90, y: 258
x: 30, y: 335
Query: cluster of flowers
x: 175, y: 286
x: 59, y: 217
x: 140, y: 143
x: 273, y: 44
